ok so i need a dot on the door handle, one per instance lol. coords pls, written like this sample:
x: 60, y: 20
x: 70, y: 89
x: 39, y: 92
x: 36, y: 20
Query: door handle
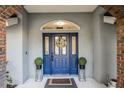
x: 52, y: 58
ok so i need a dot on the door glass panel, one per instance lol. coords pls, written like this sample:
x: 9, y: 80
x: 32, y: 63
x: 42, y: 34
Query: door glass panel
x: 46, y: 45
x: 56, y: 45
x: 64, y: 45
x: 73, y: 45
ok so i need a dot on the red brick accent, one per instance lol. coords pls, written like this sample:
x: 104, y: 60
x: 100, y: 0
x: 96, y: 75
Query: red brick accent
x: 2, y: 41
x: 116, y: 10
x: 2, y: 53
x: 7, y: 10
x: 120, y: 52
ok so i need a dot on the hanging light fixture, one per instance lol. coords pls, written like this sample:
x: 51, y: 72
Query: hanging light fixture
x: 60, y: 24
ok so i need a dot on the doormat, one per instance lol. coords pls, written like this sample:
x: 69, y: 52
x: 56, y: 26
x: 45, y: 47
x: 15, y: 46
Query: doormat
x: 60, y: 83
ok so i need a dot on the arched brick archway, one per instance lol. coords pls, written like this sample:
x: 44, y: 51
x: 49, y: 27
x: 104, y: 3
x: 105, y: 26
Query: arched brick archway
x: 117, y: 11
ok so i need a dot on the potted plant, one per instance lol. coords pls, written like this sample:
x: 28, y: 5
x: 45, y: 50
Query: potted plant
x: 10, y: 83
x: 82, y: 62
x: 38, y: 62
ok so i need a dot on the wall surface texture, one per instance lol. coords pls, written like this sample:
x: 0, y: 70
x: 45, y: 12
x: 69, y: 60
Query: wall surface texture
x: 17, y: 45
x: 104, y: 47
x: 110, y: 47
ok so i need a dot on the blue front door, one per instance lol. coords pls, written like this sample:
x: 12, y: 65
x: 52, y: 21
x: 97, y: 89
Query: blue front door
x: 60, y: 53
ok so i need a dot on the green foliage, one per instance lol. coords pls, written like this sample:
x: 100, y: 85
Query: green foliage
x: 8, y: 78
x: 38, y: 61
x: 82, y: 61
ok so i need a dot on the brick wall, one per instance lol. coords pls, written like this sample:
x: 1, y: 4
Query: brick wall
x: 2, y: 41
x: 5, y: 12
x: 2, y: 53
x: 120, y: 53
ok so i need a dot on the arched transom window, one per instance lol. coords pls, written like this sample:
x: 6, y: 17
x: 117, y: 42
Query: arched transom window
x: 60, y: 25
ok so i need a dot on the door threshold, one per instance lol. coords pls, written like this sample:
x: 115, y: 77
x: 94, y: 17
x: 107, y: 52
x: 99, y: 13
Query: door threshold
x: 61, y: 75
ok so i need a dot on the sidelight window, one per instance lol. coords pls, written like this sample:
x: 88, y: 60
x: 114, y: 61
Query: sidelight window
x: 46, y: 45
x: 73, y: 45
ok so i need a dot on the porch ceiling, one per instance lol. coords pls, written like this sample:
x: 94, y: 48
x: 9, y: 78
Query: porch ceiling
x: 59, y: 8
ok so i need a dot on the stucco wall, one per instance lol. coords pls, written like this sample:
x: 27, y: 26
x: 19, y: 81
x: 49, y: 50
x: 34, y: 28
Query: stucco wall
x: 14, y: 52
x: 17, y: 45
x: 25, y: 45
x: 110, y: 47
x: 104, y: 47
x: 85, y: 36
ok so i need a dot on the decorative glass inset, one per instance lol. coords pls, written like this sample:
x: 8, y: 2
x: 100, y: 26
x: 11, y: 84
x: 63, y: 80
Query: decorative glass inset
x: 46, y: 45
x: 64, y: 45
x: 56, y: 46
x: 73, y: 45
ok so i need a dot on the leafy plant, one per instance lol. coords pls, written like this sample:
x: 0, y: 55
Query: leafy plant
x: 8, y: 78
x: 38, y: 61
x: 82, y: 61
x: 9, y: 81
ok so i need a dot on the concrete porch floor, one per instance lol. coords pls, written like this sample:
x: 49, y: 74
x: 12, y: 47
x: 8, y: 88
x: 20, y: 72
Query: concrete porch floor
x: 89, y: 83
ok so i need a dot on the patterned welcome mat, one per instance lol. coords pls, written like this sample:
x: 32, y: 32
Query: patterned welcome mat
x: 61, y: 83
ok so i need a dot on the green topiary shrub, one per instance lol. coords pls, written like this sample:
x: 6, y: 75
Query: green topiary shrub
x: 38, y: 62
x: 82, y: 62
